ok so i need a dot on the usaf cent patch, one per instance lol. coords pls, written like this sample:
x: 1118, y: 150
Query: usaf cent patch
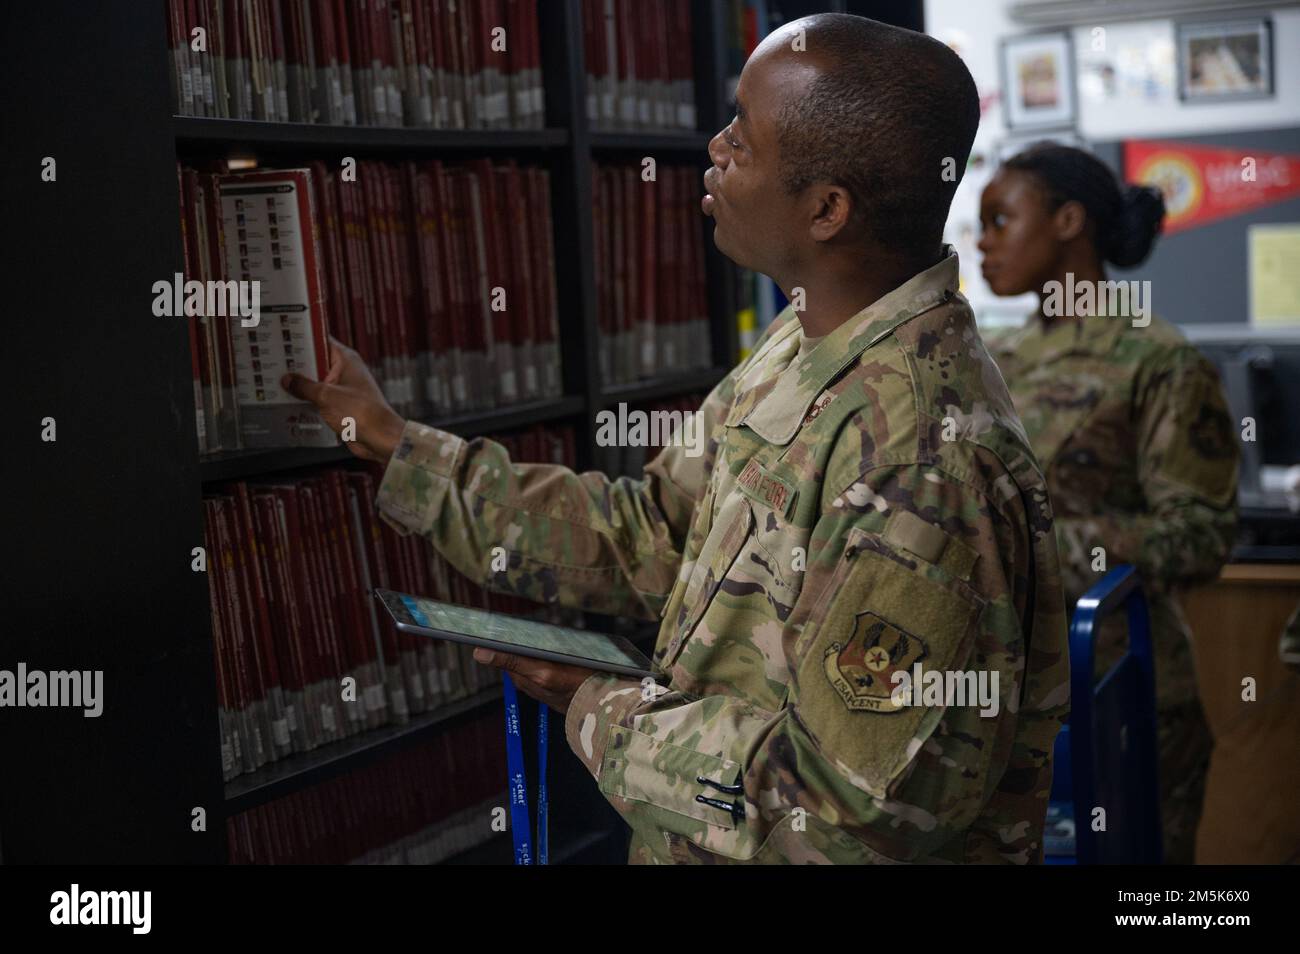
x: 861, y: 669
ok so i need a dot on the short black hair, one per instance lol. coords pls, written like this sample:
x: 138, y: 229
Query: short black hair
x: 890, y: 111
x: 1125, y: 219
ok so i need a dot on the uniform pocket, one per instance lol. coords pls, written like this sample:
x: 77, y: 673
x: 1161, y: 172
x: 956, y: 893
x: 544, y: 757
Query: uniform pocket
x: 726, y: 538
x: 887, y: 612
x: 640, y: 768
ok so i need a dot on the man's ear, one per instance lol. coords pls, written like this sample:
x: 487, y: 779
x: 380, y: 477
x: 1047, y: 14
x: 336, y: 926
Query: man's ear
x: 1069, y: 220
x: 832, y: 210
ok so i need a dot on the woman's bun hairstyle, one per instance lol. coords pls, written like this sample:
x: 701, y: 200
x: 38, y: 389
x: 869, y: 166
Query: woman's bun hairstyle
x: 1141, y: 218
x: 1125, y: 219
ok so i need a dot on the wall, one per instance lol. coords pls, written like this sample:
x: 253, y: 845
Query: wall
x: 975, y: 30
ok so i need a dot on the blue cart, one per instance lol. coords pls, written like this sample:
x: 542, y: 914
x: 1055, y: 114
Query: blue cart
x: 1105, y: 758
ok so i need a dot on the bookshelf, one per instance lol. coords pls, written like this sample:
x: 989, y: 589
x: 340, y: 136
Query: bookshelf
x: 103, y: 519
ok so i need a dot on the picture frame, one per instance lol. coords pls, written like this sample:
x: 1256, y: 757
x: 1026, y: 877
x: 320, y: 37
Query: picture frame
x: 1038, y: 87
x: 1225, y: 61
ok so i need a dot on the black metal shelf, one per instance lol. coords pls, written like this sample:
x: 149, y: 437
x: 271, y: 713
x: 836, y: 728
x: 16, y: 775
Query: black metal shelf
x: 653, y: 389
x: 235, y: 465
x: 650, y: 141
x: 242, y: 137
x: 308, y: 768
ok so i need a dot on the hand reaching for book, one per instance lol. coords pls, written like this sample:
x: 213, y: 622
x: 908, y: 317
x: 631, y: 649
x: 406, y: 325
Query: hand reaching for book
x: 349, y: 390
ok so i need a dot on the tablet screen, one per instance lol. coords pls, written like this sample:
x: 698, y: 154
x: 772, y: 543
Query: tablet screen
x: 525, y: 633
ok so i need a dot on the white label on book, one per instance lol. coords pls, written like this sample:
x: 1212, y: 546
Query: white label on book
x: 686, y: 116
x: 227, y: 759
x: 627, y: 108
x: 380, y: 101
x: 337, y: 101
x: 187, y: 87
x: 209, y: 96
x: 458, y: 388
x: 374, y: 697
x: 268, y: 101
x: 327, y: 718
x: 196, y: 81
x: 670, y: 354
x: 426, y: 111
x: 647, y: 355
x: 280, y: 732
x: 607, y: 105
x: 524, y: 102
x: 643, y: 111
x: 446, y: 682
x: 350, y: 106
x: 508, y: 384
x: 530, y: 379
x: 394, y: 102
x: 440, y: 112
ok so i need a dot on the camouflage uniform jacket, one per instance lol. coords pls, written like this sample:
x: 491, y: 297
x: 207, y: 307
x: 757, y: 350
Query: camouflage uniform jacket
x: 828, y: 536
x: 1132, y: 428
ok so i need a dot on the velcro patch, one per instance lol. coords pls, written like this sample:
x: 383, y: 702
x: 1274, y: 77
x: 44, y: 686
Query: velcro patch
x: 765, y: 487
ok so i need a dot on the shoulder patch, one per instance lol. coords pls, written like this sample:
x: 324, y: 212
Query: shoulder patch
x: 862, y: 666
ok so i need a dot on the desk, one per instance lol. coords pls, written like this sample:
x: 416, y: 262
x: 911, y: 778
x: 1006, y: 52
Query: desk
x: 1252, y: 795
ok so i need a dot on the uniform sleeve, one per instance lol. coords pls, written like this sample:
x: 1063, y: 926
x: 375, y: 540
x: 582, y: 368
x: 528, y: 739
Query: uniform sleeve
x: 1187, y: 466
x: 842, y: 772
x: 580, y: 540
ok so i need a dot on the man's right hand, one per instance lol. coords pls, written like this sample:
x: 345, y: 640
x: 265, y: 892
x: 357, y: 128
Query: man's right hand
x: 349, y: 390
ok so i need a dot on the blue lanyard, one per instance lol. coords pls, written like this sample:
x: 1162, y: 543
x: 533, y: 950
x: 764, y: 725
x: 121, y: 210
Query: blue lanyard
x: 519, y: 823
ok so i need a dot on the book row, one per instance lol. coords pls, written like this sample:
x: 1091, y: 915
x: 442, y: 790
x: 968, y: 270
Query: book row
x: 442, y: 277
x: 433, y: 64
x: 640, y: 71
x: 418, y: 806
x: 304, y: 656
x: 649, y: 264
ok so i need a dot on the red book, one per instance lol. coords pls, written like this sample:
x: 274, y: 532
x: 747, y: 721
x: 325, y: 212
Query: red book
x: 231, y: 743
x: 395, y: 212
x: 548, y: 314
x: 521, y: 288
x: 338, y: 17
x: 255, y: 587
x: 271, y: 238
x: 304, y: 606
x: 257, y: 744
x: 432, y: 297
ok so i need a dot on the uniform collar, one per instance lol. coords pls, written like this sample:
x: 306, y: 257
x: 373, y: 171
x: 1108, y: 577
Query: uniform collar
x: 1044, y: 342
x: 775, y: 407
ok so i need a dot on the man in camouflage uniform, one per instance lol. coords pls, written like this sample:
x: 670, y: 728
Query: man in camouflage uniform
x: 1131, y: 425
x: 866, y: 502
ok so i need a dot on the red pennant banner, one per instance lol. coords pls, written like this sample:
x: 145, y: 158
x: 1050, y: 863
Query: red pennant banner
x: 1202, y: 184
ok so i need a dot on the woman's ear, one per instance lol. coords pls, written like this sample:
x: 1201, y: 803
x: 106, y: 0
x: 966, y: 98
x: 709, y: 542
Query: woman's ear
x: 1069, y: 221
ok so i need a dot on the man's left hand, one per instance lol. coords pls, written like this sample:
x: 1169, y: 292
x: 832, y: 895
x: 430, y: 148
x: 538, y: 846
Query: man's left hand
x: 548, y: 682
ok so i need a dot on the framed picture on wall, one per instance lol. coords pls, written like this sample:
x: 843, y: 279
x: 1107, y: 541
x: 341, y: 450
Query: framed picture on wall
x: 1038, y: 81
x: 1225, y: 60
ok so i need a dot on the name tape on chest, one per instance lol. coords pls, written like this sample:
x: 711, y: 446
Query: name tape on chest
x: 768, y: 489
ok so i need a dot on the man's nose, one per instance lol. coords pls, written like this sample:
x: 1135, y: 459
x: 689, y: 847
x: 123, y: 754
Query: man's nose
x: 719, y: 151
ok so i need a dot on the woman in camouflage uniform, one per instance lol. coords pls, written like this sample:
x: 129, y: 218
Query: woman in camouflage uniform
x: 1127, y: 418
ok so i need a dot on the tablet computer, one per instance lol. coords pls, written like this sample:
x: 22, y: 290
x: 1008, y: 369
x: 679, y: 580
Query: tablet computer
x: 513, y: 634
